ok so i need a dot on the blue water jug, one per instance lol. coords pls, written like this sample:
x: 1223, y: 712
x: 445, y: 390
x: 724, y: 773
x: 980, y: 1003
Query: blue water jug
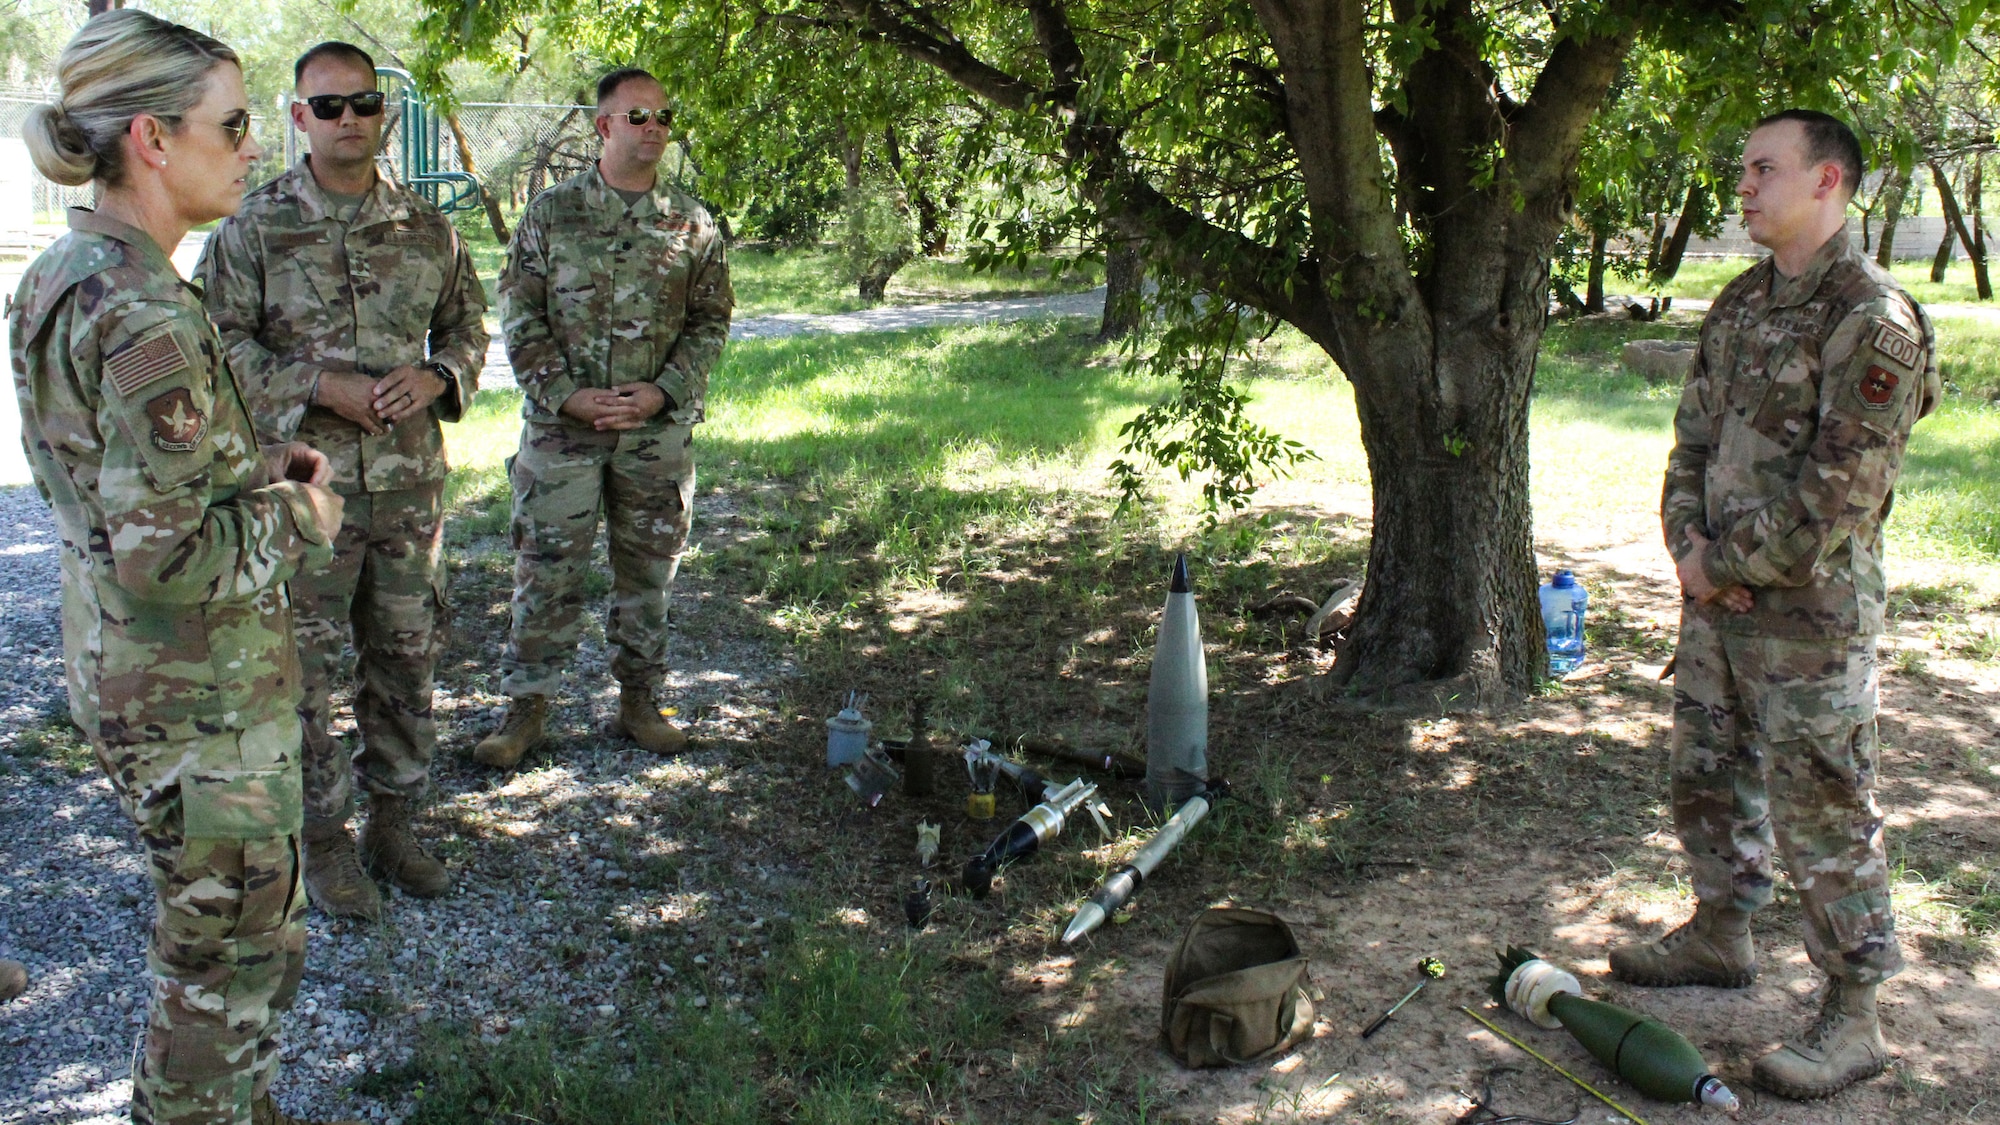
x: 1563, y: 601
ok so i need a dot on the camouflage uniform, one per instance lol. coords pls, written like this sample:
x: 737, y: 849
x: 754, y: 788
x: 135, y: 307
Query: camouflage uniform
x: 296, y: 292
x: 177, y: 642
x: 1788, y: 440
x: 597, y: 294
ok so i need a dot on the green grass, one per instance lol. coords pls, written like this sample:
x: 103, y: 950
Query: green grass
x: 53, y: 742
x: 1705, y: 277
x: 813, y: 279
x: 842, y: 1028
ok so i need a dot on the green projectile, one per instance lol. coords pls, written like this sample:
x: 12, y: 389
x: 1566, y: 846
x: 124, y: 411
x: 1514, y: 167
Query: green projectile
x: 1655, y: 1059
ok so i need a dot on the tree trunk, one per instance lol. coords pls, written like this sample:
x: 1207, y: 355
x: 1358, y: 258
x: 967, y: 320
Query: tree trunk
x: 1124, y: 275
x: 1670, y: 259
x: 1942, y: 259
x: 465, y: 160
x: 1448, y: 615
x: 1593, y: 291
x: 1955, y: 224
x: 99, y: 7
x: 874, y: 279
x: 1981, y: 281
x: 1892, y: 214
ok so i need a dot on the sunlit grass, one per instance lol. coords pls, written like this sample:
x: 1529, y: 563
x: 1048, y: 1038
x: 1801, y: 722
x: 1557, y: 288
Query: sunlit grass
x: 1705, y: 277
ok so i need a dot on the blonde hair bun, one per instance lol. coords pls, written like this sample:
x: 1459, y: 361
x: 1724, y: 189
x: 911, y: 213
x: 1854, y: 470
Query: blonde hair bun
x: 122, y: 63
x: 59, y: 149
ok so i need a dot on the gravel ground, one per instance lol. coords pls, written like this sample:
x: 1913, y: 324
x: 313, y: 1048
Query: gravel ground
x: 585, y: 881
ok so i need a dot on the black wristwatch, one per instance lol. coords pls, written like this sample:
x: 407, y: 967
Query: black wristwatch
x: 443, y: 372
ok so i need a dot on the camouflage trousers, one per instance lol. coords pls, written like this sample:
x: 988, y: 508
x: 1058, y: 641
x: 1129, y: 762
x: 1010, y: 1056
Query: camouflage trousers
x: 219, y: 818
x: 1774, y: 750
x: 386, y: 586
x: 643, y: 482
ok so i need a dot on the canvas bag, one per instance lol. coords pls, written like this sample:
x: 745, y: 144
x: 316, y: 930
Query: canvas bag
x: 1236, y: 990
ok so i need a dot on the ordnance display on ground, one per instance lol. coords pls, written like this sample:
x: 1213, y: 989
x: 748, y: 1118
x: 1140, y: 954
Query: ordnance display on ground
x: 1654, y: 1058
x: 1026, y: 835
x: 1119, y: 887
x: 1177, y: 702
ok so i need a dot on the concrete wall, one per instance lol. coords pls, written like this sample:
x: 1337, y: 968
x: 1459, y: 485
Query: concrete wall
x: 1916, y: 239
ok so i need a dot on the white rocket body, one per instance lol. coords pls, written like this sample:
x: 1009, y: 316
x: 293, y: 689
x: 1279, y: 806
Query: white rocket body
x: 1177, y: 702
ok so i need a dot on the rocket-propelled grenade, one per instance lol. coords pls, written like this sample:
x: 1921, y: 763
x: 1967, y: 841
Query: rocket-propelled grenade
x: 1655, y: 1059
x: 1177, y: 702
x: 1028, y: 833
x: 1122, y: 884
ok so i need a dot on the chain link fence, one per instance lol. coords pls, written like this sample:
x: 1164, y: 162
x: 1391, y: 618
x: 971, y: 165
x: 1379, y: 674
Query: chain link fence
x: 515, y: 150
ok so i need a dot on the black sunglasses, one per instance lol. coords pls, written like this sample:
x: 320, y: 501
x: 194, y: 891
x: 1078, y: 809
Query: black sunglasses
x: 328, y: 107
x: 639, y: 117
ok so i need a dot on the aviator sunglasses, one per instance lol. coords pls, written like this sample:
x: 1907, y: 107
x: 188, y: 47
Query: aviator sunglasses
x: 237, y: 125
x: 328, y: 107
x: 639, y: 117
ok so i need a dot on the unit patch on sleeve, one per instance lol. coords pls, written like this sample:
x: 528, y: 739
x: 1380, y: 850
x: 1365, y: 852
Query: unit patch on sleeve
x: 1891, y: 341
x: 178, y: 425
x: 147, y: 361
x: 1878, y: 387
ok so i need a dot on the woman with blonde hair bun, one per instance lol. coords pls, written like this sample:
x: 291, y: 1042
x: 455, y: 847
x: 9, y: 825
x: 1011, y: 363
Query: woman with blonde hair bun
x: 178, y: 534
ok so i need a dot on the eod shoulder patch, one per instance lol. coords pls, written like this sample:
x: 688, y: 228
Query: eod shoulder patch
x: 1896, y: 344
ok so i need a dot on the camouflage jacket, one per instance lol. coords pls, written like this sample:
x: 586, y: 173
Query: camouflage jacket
x: 295, y: 292
x: 176, y: 546
x: 596, y: 294
x: 1790, y: 434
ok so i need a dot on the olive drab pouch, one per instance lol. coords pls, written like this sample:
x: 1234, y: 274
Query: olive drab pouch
x: 1236, y: 990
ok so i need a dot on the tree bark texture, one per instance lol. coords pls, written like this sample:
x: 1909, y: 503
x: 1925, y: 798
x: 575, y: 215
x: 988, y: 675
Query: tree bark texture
x: 1893, y: 191
x: 1124, y: 277
x: 1955, y: 224
x: 1440, y: 348
x: 1676, y: 249
x: 1593, y: 293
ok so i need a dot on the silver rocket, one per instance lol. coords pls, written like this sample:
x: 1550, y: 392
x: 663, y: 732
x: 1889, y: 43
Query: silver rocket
x: 1177, y: 702
x: 1123, y: 883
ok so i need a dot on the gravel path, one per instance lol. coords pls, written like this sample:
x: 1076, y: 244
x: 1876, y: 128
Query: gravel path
x: 585, y: 882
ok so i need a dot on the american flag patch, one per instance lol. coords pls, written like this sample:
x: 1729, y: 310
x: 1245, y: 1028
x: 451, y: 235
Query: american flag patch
x: 147, y: 362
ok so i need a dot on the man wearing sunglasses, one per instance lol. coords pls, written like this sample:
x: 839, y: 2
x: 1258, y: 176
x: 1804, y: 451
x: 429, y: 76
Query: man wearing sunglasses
x: 353, y: 319
x: 615, y: 303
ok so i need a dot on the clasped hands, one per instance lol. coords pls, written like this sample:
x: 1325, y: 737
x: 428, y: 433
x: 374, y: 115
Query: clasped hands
x: 626, y: 406
x: 1695, y: 583
x: 377, y: 404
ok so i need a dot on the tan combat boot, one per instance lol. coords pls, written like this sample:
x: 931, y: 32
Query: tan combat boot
x: 639, y: 717
x: 13, y: 980
x: 1841, y: 1048
x: 1711, y: 948
x: 264, y: 1111
x: 389, y: 850
x: 518, y: 733
x: 334, y: 880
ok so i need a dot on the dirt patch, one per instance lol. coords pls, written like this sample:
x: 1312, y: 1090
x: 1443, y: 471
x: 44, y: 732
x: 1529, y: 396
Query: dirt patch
x: 1382, y: 840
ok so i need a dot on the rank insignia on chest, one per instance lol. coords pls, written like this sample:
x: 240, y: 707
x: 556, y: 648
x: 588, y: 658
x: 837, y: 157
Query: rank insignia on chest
x: 1878, y: 387
x: 178, y: 424
x: 1892, y: 342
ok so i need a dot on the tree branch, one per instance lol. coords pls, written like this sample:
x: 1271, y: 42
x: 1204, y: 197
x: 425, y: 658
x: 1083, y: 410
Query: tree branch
x: 1058, y: 44
x: 945, y: 52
